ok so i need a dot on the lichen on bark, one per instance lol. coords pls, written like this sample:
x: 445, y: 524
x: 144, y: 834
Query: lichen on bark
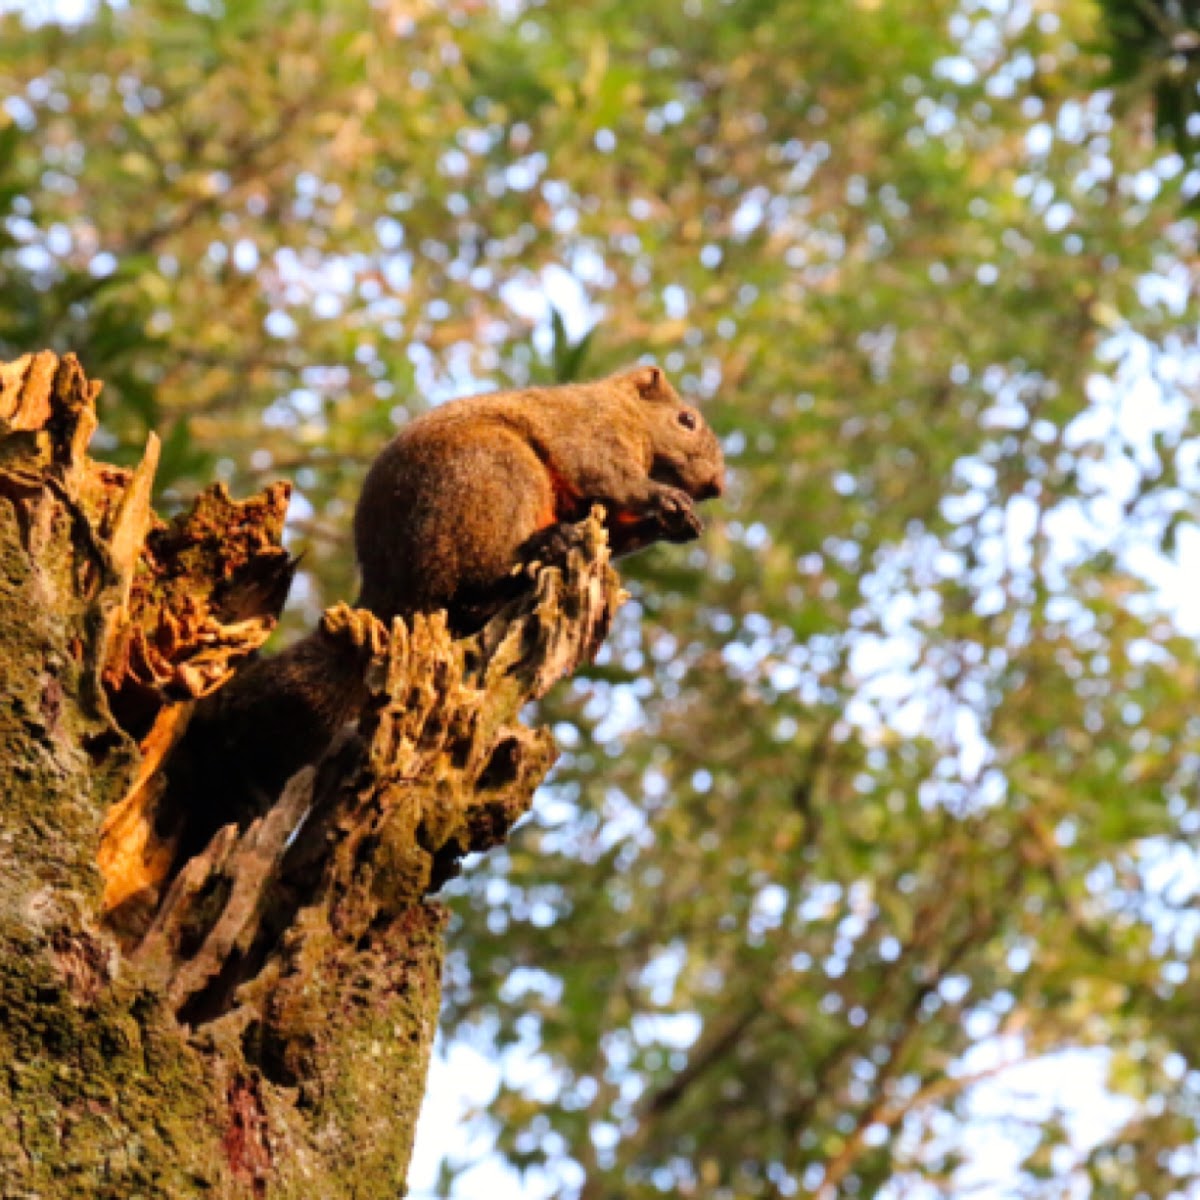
x: 264, y: 1027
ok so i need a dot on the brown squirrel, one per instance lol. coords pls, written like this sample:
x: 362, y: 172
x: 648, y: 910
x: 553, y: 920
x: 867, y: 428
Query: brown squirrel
x: 473, y: 488
x: 451, y: 509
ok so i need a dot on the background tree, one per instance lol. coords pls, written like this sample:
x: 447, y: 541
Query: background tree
x: 890, y: 785
x: 1154, y: 46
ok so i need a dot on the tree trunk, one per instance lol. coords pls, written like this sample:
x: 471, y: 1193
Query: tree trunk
x: 264, y: 1027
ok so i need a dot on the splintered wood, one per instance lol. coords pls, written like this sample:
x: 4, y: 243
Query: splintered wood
x: 178, y: 605
x: 438, y: 766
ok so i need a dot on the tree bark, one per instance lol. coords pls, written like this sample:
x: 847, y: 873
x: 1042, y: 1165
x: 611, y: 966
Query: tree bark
x: 264, y: 1027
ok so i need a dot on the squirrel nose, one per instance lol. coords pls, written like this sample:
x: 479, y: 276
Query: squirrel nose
x: 713, y: 488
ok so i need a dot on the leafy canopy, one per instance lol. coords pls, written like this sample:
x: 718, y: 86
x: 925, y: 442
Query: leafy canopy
x: 889, y: 784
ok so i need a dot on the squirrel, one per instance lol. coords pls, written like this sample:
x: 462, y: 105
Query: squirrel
x: 471, y: 489
x: 453, y: 506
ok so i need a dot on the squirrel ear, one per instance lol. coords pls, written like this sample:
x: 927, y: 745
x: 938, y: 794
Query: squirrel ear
x: 648, y: 381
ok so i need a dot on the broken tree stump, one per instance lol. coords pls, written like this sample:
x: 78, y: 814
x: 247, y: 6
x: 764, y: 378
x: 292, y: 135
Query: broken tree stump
x: 264, y: 1027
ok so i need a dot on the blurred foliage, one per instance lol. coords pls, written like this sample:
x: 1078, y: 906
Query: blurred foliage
x: 1155, y: 45
x: 889, y: 786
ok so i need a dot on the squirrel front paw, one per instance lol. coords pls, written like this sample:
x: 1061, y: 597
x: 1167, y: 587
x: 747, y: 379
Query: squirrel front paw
x: 675, y: 517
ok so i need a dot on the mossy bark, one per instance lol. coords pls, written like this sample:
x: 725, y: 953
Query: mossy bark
x: 264, y: 1027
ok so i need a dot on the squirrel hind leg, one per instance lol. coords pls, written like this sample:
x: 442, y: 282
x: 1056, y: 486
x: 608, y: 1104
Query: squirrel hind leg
x: 549, y: 546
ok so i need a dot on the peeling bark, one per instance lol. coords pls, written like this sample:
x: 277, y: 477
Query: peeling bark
x: 254, y: 1019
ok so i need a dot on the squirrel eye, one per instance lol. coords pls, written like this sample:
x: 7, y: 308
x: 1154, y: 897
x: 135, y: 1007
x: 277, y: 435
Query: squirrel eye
x: 687, y: 418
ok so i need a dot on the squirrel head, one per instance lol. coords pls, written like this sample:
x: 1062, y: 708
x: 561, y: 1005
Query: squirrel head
x: 686, y: 453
